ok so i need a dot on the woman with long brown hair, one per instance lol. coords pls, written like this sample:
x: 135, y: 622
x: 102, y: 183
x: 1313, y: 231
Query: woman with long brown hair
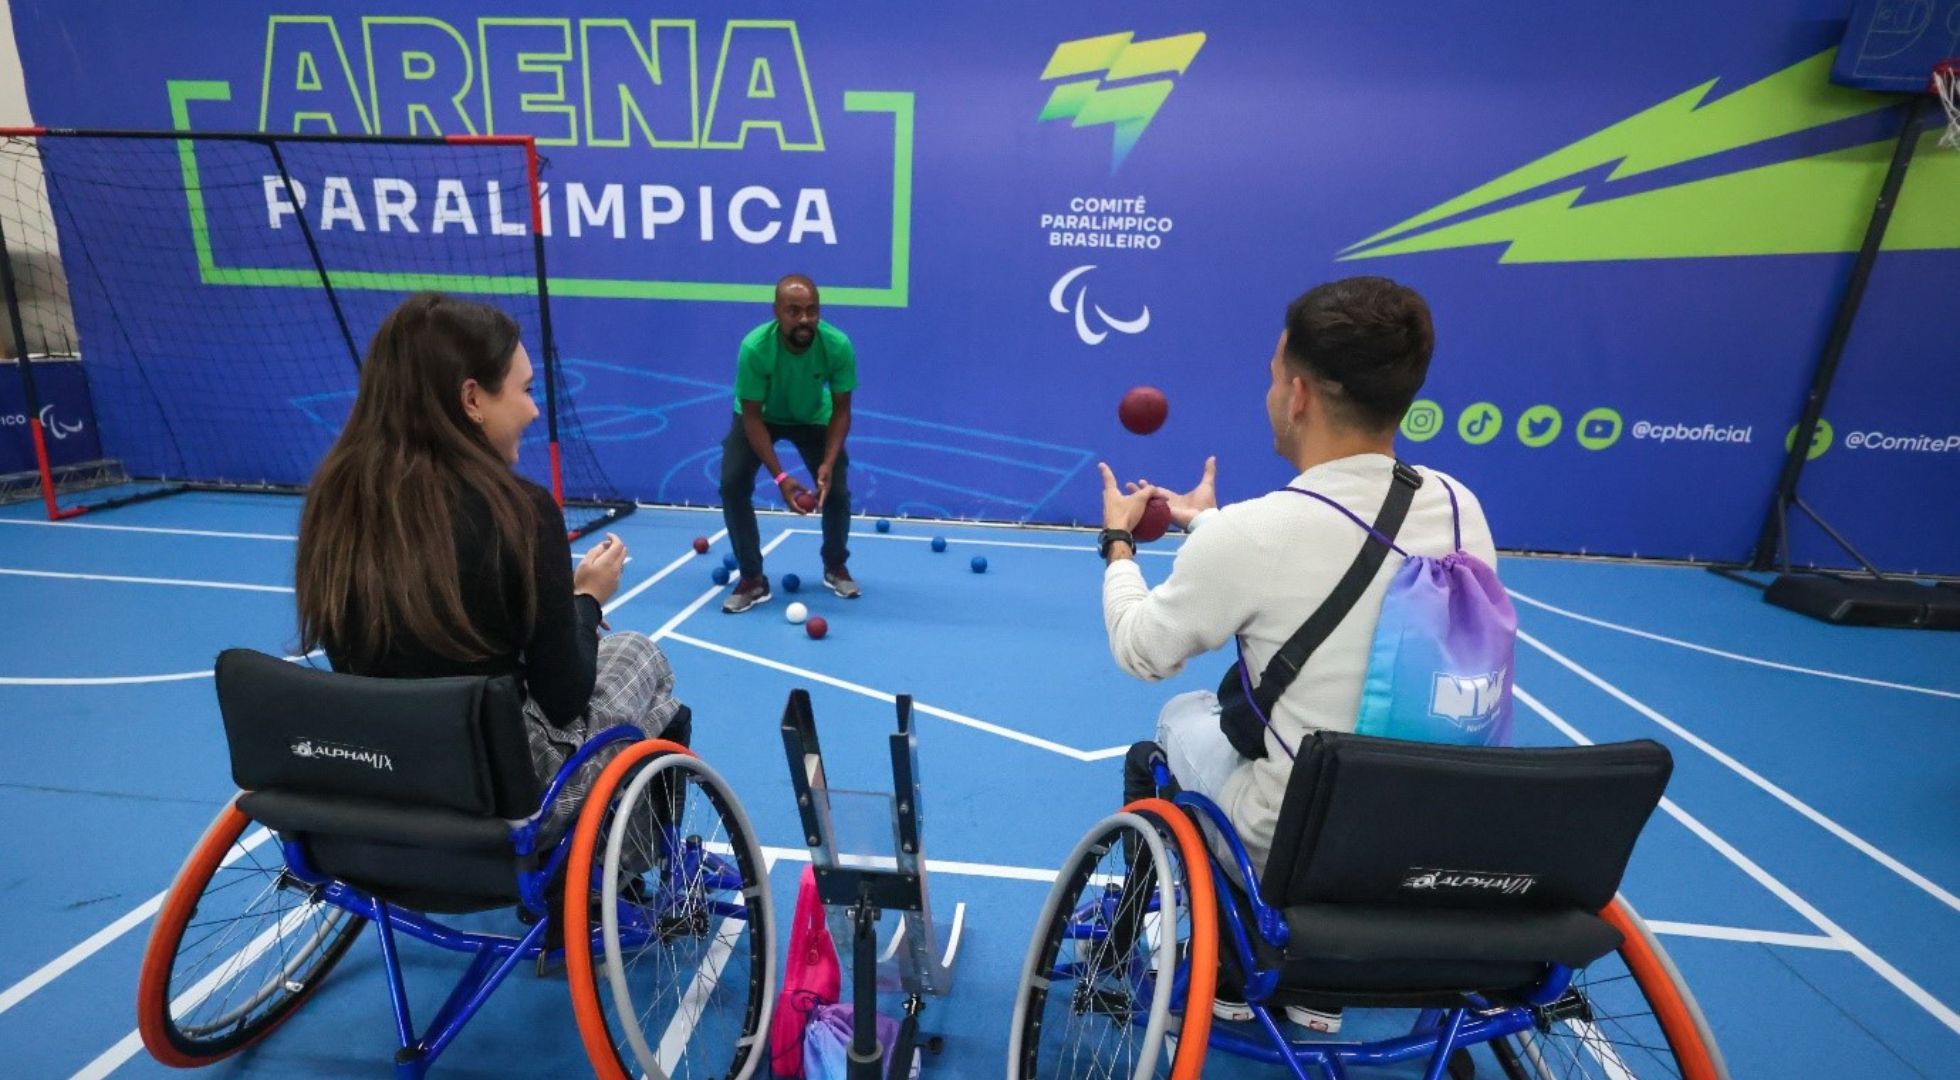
x: 422, y: 554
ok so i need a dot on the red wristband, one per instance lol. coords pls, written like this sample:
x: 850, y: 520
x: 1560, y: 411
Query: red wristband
x: 782, y: 476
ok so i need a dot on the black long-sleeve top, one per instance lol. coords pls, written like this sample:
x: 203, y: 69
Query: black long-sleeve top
x: 555, y: 658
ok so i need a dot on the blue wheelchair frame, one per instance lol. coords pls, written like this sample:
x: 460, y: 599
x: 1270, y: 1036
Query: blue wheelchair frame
x: 1436, y: 1033
x: 497, y: 955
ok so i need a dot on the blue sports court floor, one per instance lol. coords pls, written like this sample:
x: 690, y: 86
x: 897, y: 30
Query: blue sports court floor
x: 1801, y: 872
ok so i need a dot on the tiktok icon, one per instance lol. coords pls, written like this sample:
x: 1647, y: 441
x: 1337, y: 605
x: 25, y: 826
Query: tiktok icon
x: 1480, y: 423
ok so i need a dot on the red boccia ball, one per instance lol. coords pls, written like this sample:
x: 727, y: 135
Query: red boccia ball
x: 815, y: 626
x: 1144, y: 409
x: 1156, y: 518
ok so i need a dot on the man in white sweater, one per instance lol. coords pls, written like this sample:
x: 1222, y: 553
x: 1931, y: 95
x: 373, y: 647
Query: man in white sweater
x: 1349, y: 363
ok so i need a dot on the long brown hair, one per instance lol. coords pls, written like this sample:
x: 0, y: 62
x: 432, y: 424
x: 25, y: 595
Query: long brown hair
x: 377, y: 554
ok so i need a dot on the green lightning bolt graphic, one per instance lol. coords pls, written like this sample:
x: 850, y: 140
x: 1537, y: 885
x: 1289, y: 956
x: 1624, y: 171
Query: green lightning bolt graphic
x: 1128, y: 108
x: 1808, y: 205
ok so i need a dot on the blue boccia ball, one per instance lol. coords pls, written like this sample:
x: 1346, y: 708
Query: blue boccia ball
x: 720, y: 575
x: 939, y: 543
x: 791, y: 583
x: 979, y: 564
x: 883, y: 525
x: 729, y: 561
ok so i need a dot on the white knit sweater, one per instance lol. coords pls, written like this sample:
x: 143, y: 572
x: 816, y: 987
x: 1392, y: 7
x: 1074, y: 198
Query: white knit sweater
x: 1259, y: 568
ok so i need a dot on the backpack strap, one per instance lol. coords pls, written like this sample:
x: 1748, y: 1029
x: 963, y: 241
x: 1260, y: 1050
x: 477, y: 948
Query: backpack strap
x: 1292, y: 656
x: 1456, y: 517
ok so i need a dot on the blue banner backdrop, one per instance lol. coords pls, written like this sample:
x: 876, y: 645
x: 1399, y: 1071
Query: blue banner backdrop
x: 67, y: 417
x: 1633, y: 231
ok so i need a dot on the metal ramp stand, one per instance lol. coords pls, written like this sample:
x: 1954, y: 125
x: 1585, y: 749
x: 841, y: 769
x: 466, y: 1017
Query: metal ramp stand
x: 869, y: 856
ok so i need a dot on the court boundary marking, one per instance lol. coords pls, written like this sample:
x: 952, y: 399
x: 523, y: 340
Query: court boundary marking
x: 1830, y: 929
x: 1743, y: 658
x: 1802, y: 808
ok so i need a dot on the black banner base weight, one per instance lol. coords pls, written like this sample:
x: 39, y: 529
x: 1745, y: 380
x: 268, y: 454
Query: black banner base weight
x: 1861, y: 601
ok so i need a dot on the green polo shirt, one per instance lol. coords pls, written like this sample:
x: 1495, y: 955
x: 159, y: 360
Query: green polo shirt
x: 793, y: 388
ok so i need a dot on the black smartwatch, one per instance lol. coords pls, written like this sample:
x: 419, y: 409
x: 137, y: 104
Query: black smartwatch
x: 1114, y: 536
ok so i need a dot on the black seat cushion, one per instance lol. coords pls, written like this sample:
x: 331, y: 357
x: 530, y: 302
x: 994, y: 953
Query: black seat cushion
x: 429, y: 859
x: 1348, y: 949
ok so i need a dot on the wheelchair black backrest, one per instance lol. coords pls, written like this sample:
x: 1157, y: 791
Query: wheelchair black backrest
x: 1382, y: 821
x: 451, y: 744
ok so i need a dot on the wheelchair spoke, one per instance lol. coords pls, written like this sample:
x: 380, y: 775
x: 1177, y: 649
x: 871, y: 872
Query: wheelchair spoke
x: 238, y: 945
x: 1103, y: 962
x: 685, y: 1000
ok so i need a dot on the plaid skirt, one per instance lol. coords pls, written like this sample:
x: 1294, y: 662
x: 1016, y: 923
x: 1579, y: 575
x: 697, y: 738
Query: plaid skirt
x: 635, y: 686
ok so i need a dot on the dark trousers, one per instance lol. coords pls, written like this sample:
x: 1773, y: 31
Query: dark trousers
x: 738, y: 468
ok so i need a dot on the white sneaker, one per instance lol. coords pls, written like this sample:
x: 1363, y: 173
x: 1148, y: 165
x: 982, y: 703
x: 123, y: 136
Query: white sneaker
x: 1232, y: 1012
x: 1315, y: 1020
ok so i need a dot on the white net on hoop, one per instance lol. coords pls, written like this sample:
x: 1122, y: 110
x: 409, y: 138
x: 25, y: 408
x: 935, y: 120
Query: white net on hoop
x: 1946, y: 83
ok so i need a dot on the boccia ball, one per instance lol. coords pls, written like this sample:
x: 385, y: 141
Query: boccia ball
x: 1156, y: 518
x: 1143, y: 409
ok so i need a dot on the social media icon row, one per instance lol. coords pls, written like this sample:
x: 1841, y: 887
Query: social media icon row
x: 1537, y: 426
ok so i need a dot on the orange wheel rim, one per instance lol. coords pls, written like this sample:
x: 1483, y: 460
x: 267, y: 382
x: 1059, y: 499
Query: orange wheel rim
x: 153, y: 983
x: 592, y: 1028
x: 1189, y: 1061
x: 1677, y: 1022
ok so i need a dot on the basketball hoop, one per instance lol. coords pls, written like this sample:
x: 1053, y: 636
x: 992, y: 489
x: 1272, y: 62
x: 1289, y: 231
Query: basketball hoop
x: 1946, y: 84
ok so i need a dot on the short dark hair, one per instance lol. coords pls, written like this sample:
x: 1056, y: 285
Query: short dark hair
x: 1370, y: 337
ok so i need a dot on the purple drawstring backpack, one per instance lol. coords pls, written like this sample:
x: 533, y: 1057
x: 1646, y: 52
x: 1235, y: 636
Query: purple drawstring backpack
x: 1440, y: 667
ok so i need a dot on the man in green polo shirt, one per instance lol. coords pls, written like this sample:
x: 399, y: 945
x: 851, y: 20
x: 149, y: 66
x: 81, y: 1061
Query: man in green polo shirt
x: 793, y: 380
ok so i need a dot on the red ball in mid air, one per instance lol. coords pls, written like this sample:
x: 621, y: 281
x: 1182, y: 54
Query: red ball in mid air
x: 1144, y: 409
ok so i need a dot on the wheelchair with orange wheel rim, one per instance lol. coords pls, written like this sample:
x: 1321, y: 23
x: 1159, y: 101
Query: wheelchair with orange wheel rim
x: 1450, y: 909
x: 389, y: 802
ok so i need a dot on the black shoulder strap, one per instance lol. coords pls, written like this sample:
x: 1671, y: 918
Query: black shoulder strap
x: 1292, y: 656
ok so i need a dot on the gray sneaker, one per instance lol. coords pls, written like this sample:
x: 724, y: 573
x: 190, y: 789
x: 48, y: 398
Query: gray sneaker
x: 839, y: 581
x: 748, y: 593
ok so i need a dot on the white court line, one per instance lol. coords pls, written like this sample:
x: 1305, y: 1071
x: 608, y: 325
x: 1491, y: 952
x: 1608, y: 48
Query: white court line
x: 186, y: 582
x: 186, y: 676
x: 1877, y: 963
x: 150, y: 529
x: 1750, y: 775
x: 686, y: 613
x: 944, y: 866
x: 693, y: 1003
x: 59, y: 966
x: 113, y: 1058
x: 126, y: 680
x: 102, y: 680
x: 1090, y: 548
x: 1754, y: 937
x: 1727, y: 655
x: 681, y: 560
x: 880, y: 695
